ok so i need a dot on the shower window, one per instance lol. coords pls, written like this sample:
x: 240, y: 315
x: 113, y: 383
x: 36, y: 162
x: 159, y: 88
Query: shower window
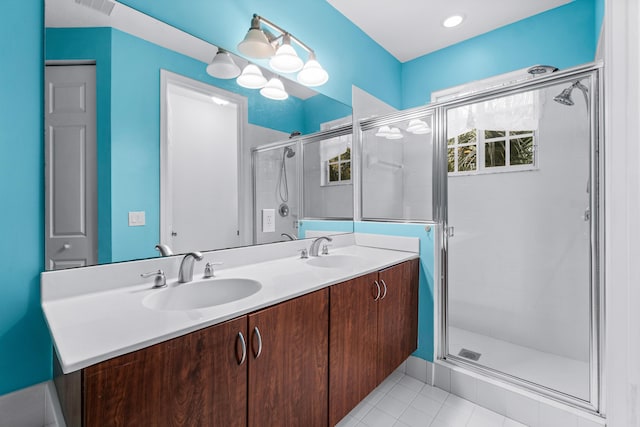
x: 338, y: 169
x: 489, y: 151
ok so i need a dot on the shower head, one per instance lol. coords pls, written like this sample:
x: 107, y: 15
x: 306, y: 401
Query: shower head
x: 294, y: 134
x: 564, y: 97
x: 288, y: 151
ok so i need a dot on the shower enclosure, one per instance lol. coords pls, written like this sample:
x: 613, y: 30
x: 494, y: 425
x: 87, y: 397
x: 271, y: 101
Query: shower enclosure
x: 515, y: 172
x: 521, y: 254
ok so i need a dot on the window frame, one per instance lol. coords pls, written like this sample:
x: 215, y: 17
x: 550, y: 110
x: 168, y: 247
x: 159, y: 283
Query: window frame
x: 480, y: 145
x: 326, y: 174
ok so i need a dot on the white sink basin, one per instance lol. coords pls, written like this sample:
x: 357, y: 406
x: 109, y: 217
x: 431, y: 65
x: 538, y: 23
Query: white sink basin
x: 201, y: 294
x: 335, y: 261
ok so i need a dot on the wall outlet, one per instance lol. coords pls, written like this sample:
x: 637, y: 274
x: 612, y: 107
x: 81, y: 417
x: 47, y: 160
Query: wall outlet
x: 268, y: 220
x: 136, y: 219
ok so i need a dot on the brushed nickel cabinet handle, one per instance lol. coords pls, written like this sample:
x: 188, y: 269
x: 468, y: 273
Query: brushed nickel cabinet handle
x: 243, y: 358
x: 385, y: 289
x: 379, y: 290
x: 256, y: 332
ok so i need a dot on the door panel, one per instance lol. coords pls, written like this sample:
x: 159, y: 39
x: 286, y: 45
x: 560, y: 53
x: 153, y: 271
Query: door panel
x: 397, y: 316
x: 194, y: 380
x: 70, y: 171
x: 288, y: 379
x: 352, y: 344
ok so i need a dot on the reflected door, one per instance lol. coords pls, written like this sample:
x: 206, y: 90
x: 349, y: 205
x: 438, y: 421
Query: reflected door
x: 518, y: 286
x: 70, y: 166
x: 203, y: 171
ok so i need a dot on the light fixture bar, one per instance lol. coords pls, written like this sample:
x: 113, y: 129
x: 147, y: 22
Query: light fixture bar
x: 282, y: 32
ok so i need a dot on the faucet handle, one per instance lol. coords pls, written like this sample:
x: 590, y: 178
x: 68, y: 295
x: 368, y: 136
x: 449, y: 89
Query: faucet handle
x: 160, y: 280
x: 325, y: 249
x: 208, y: 269
x: 304, y: 254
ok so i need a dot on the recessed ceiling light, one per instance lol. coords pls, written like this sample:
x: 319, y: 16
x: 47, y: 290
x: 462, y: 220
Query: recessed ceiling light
x: 453, y: 21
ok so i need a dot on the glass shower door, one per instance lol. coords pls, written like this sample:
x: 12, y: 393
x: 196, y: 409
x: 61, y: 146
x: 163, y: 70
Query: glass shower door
x: 519, y: 245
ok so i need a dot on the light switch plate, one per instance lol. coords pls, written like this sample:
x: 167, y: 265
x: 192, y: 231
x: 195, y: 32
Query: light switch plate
x: 268, y: 220
x: 136, y: 219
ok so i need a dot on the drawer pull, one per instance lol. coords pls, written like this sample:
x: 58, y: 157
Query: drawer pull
x: 379, y: 290
x: 385, y: 289
x: 243, y: 358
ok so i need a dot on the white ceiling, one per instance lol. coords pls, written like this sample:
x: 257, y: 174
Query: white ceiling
x: 412, y: 28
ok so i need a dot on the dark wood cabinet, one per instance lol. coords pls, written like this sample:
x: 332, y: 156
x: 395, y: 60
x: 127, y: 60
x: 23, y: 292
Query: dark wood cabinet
x: 308, y: 362
x: 288, y: 366
x: 397, y: 316
x: 373, y: 329
x: 193, y: 380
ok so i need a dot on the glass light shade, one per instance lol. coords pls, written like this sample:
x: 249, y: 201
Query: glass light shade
x: 312, y: 74
x: 418, y: 127
x: 394, y: 133
x: 286, y: 60
x: 383, y: 131
x: 223, y: 66
x: 274, y: 89
x: 251, y: 77
x: 256, y: 45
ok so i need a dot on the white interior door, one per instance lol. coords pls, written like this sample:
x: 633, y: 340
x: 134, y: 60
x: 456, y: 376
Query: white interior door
x: 70, y: 166
x: 202, y: 176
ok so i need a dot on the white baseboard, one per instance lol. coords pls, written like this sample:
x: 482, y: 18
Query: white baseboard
x: 37, y: 405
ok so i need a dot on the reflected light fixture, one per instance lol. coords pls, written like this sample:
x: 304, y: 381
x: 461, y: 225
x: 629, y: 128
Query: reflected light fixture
x: 418, y: 127
x: 274, y: 89
x: 453, y: 21
x: 259, y: 43
x: 286, y: 60
x: 389, y: 132
x: 222, y: 66
x: 251, y: 77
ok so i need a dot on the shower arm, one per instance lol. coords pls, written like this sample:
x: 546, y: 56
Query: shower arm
x: 584, y: 91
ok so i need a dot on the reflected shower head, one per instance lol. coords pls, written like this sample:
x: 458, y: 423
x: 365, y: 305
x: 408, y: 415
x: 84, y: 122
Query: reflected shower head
x: 294, y: 134
x: 564, y: 97
x: 288, y: 151
x: 536, y: 70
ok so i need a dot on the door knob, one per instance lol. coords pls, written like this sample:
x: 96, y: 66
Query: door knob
x: 66, y: 246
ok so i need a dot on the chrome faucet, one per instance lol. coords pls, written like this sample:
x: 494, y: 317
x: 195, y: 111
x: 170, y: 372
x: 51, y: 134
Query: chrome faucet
x: 165, y: 250
x: 186, y: 266
x: 313, y: 250
x: 288, y: 236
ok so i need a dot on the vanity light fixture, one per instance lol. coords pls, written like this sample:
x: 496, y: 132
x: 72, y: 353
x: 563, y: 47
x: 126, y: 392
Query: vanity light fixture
x: 418, y: 127
x: 223, y: 66
x: 251, y: 77
x: 453, y: 21
x: 261, y: 44
x: 274, y: 89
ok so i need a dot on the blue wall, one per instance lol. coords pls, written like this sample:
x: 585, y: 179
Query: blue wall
x: 25, y: 347
x: 563, y: 37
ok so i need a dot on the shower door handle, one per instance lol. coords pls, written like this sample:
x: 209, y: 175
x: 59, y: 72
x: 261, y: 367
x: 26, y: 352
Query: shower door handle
x: 450, y: 231
x: 587, y: 214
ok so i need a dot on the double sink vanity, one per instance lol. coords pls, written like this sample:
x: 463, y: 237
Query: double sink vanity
x: 272, y: 339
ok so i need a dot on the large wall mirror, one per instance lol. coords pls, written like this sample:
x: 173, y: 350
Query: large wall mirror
x: 123, y: 90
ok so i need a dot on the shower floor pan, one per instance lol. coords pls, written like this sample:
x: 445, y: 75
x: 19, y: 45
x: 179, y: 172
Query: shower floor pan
x: 556, y: 372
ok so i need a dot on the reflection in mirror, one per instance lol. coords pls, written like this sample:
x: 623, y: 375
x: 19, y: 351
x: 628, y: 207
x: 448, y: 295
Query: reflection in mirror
x: 327, y: 183
x: 397, y: 172
x: 276, y: 186
x: 127, y: 51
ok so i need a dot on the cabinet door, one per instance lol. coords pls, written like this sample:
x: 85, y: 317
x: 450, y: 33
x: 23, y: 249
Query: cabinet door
x: 397, y: 316
x: 194, y: 380
x: 288, y: 363
x: 352, y: 344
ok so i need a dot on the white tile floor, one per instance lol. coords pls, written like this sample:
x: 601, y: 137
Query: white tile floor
x: 403, y: 401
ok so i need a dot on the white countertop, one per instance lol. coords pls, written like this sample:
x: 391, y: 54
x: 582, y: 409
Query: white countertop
x: 91, y: 327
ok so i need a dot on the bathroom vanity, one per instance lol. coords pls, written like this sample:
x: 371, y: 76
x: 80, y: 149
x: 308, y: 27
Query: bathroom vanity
x: 303, y: 350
